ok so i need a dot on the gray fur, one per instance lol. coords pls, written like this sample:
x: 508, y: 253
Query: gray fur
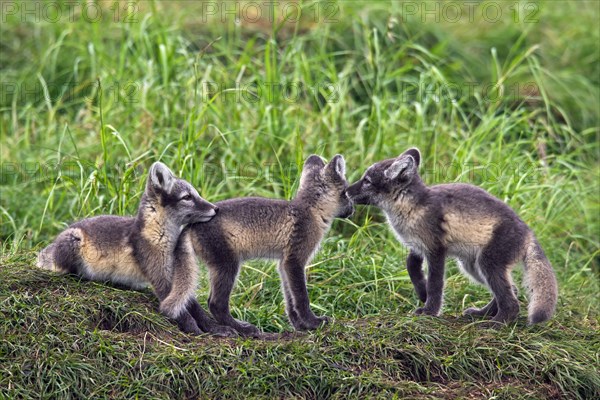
x: 289, y: 231
x: 462, y: 221
x: 147, y: 249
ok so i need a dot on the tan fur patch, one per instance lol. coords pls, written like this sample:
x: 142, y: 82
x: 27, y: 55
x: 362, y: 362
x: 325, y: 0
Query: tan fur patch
x: 154, y: 229
x: 108, y: 261
x: 408, y: 225
x: 464, y: 229
x: 266, y: 239
x: 324, y: 213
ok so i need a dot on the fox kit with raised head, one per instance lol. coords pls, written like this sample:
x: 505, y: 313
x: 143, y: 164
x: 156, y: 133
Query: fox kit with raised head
x: 151, y: 248
x: 290, y: 231
x: 462, y: 221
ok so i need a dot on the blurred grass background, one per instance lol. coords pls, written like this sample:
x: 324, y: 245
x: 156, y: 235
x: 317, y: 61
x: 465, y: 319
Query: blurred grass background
x: 500, y: 94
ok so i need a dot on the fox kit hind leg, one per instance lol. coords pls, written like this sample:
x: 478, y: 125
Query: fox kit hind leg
x: 490, y: 309
x: 291, y: 270
x: 482, y: 268
x: 468, y: 264
x: 287, y: 294
x: 504, y: 307
x: 222, y: 278
x: 496, y: 266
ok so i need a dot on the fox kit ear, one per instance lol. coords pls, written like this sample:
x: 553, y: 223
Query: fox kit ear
x: 161, y: 177
x: 314, y: 161
x: 414, y: 153
x: 313, y: 164
x: 337, y: 166
x: 403, y: 166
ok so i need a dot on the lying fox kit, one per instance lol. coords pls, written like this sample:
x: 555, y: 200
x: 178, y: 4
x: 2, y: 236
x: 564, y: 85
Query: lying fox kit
x: 289, y: 231
x: 147, y: 249
x: 461, y: 221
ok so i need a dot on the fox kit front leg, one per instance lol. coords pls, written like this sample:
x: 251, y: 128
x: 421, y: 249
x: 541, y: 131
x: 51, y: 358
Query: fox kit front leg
x: 435, y: 284
x: 184, y: 282
x: 414, y: 265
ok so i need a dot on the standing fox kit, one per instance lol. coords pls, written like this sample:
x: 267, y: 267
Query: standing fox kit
x: 290, y: 231
x: 461, y: 221
x: 150, y: 248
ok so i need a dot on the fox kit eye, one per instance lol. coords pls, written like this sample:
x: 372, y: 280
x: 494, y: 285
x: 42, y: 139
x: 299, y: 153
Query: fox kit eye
x: 367, y: 180
x: 186, y: 197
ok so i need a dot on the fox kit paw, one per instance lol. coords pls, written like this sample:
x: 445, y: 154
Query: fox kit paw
x: 321, y: 321
x: 311, y: 323
x: 504, y: 318
x: 421, y: 291
x: 491, y: 324
x: 222, y: 331
x: 426, y: 311
x: 188, y: 325
x: 498, y: 322
x: 247, y: 329
x: 478, y: 312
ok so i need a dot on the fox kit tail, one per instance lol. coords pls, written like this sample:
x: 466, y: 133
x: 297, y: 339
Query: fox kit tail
x: 540, y: 281
x: 62, y: 255
x: 46, y: 258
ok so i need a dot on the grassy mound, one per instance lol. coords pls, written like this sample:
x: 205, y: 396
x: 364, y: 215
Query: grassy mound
x: 65, y: 338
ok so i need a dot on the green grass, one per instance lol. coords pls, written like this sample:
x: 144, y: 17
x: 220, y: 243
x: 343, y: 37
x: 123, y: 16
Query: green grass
x: 86, y: 107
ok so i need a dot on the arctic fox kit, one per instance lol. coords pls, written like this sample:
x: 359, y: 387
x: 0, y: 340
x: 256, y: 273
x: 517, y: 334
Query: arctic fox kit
x: 150, y: 248
x: 462, y: 221
x: 289, y: 231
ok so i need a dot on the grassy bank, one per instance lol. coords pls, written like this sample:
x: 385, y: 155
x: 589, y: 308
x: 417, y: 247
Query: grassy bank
x: 88, y: 103
x: 66, y: 338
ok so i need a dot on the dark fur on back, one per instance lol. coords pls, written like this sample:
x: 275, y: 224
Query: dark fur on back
x: 462, y: 221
